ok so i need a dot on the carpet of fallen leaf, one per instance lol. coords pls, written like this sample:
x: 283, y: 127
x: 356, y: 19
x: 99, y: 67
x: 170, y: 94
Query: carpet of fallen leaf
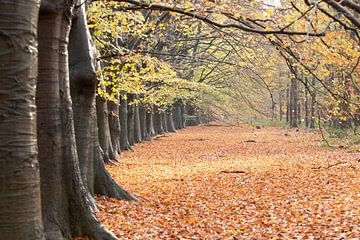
x: 221, y: 182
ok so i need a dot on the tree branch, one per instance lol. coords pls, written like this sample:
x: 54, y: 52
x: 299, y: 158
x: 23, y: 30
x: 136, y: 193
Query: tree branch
x: 205, y: 19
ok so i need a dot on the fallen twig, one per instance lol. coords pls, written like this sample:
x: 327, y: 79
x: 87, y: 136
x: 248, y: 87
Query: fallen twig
x: 235, y: 171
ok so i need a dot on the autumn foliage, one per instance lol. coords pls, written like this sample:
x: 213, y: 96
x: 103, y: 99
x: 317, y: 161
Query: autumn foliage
x: 218, y: 182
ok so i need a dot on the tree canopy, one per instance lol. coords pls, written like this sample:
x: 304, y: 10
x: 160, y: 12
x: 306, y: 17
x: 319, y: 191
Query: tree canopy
x: 211, y: 51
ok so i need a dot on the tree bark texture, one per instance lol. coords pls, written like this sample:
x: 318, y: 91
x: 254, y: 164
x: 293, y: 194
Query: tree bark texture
x: 183, y: 115
x: 83, y: 85
x: 67, y: 207
x: 123, y: 116
x: 114, y: 125
x: 20, y: 202
x: 170, y: 121
x: 102, y: 115
x: 143, y: 126
x: 164, y: 121
x: 83, y: 90
x: 178, y: 115
x: 158, y: 122
x: 137, y: 125
x: 313, y: 105
x: 131, y: 119
x: 104, y: 130
x: 293, y: 104
x: 150, y: 123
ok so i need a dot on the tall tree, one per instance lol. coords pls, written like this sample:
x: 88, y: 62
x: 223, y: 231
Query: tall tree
x: 20, y: 208
x: 67, y: 207
x: 104, y: 129
x: 123, y: 116
x: 83, y: 84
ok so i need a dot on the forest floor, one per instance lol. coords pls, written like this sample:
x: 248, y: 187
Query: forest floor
x: 218, y: 182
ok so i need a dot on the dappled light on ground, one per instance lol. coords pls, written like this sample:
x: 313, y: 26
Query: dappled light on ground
x: 215, y: 182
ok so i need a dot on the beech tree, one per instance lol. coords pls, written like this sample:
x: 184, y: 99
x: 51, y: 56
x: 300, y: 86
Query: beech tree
x: 83, y: 85
x: 152, y: 68
x: 68, y: 208
x: 20, y: 209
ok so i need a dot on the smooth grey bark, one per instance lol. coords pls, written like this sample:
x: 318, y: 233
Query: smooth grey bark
x: 170, y: 121
x: 183, y: 115
x: 104, y: 131
x: 123, y: 117
x: 102, y: 112
x: 131, y: 119
x: 150, y: 124
x: 176, y: 112
x: 67, y: 209
x: 158, y: 121
x: 293, y: 104
x: 137, y: 125
x: 178, y: 115
x: 114, y: 125
x: 83, y: 90
x: 143, y: 126
x: 164, y: 121
x: 20, y: 202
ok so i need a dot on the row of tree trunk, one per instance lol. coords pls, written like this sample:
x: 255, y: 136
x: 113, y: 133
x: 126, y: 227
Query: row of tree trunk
x: 122, y: 125
x: 298, y: 102
x: 56, y: 133
x: 297, y: 105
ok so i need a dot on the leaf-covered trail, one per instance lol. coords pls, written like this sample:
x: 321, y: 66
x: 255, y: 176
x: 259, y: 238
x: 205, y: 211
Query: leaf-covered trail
x: 211, y: 182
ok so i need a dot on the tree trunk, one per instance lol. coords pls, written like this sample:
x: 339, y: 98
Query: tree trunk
x: 131, y: 119
x: 170, y: 121
x: 104, y: 130
x: 143, y: 126
x: 150, y: 124
x: 306, y: 107
x: 178, y: 115
x: 164, y: 121
x: 313, y: 105
x: 158, y: 121
x: 287, y: 105
x: 183, y: 115
x: 83, y: 90
x: 67, y: 209
x: 137, y: 127
x: 114, y: 125
x: 357, y: 112
x: 293, y: 104
x: 123, y: 116
x: 20, y: 203
x: 103, y: 125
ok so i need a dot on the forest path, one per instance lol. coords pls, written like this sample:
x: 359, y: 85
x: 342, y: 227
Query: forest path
x: 211, y: 182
